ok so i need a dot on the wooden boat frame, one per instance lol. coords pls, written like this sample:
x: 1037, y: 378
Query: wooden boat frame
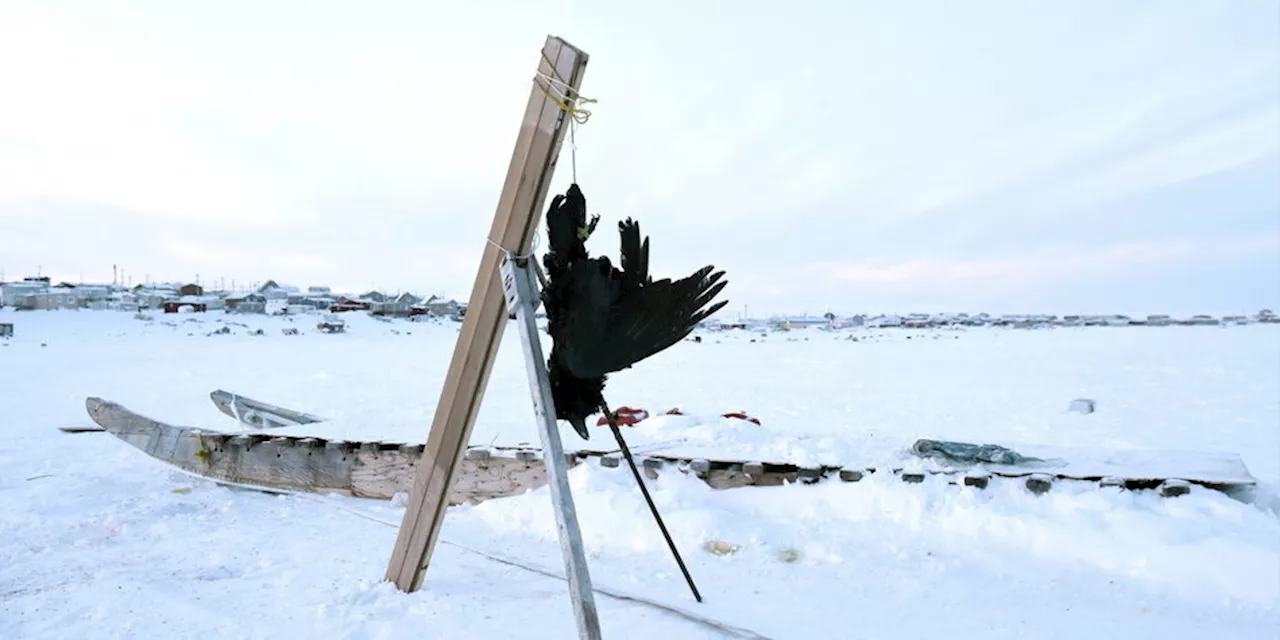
x: 380, y: 470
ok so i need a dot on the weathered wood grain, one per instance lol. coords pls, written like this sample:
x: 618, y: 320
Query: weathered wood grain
x: 309, y: 464
x: 515, y: 221
x: 382, y: 469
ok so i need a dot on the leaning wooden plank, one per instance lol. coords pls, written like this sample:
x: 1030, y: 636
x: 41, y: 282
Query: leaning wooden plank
x: 305, y: 464
x: 258, y: 414
x: 515, y: 220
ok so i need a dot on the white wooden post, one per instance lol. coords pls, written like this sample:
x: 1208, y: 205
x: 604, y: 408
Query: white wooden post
x: 522, y: 298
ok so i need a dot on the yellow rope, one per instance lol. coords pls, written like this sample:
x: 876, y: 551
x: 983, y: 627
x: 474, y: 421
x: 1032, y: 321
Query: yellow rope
x: 567, y: 104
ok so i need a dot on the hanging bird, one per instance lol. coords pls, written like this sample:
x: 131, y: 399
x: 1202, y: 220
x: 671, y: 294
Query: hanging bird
x: 603, y: 319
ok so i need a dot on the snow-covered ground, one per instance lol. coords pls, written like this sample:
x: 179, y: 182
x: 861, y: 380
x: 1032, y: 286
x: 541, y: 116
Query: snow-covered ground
x: 99, y: 541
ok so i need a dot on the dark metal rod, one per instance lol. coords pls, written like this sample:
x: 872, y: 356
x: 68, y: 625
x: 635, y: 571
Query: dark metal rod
x: 626, y: 452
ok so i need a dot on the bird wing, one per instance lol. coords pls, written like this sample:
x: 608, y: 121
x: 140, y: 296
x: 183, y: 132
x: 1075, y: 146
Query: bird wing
x: 635, y: 254
x: 627, y: 317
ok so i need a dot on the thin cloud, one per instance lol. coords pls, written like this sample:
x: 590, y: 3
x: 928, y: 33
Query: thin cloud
x: 1038, y: 268
x: 924, y: 151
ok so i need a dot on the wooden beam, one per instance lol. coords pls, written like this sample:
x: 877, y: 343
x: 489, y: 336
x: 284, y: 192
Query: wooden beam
x: 515, y: 221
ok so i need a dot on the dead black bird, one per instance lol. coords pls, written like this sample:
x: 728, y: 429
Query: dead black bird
x: 603, y: 319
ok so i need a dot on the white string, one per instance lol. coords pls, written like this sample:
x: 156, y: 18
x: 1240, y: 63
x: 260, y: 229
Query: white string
x: 566, y: 90
x: 533, y: 246
x: 573, y: 149
x: 569, y: 100
x: 564, y: 87
x: 565, y: 95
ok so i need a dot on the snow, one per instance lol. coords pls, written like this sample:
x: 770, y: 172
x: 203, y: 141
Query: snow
x: 100, y: 541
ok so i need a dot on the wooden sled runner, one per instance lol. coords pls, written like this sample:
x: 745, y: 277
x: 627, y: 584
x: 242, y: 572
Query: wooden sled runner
x: 358, y: 469
x: 257, y: 414
x: 382, y: 469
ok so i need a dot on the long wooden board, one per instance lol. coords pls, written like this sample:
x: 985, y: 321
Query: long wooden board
x: 1135, y: 468
x: 380, y: 470
x: 377, y: 469
x: 358, y: 469
x: 515, y: 220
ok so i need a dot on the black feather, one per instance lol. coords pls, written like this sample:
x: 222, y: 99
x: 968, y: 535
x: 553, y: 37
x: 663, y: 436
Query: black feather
x: 603, y: 319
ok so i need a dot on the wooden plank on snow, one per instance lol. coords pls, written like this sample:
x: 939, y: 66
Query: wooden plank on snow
x: 515, y: 221
x: 307, y: 464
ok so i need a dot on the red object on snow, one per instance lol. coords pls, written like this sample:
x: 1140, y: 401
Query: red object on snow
x: 741, y: 416
x: 675, y: 412
x: 627, y: 417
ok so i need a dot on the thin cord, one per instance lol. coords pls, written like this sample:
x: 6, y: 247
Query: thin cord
x: 569, y: 98
x: 533, y: 246
x: 573, y: 149
x: 552, y: 66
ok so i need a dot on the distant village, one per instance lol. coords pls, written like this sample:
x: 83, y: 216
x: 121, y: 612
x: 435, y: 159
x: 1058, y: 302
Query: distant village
x: 40, y: 293
x: 1016, y: 321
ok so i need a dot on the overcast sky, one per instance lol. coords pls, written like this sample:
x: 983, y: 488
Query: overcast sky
x: 1083, y: 156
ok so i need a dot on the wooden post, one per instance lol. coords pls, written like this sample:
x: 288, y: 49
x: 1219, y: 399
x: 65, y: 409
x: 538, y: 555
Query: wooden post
x: 514, y: 224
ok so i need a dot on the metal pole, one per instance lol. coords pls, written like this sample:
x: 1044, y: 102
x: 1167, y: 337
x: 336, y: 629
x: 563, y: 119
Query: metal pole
x: 521, y: 294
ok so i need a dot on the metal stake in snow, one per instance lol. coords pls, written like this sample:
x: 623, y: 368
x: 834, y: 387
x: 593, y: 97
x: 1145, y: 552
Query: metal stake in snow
x: 521, y: 294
